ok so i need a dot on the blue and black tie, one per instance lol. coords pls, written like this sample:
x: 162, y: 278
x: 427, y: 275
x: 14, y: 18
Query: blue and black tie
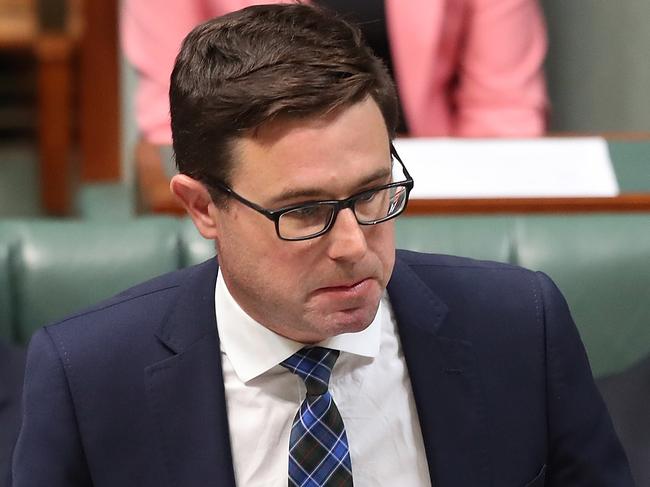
x: 318, y: 446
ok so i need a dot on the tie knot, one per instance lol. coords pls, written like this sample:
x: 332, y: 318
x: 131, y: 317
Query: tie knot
x: 314, y: 365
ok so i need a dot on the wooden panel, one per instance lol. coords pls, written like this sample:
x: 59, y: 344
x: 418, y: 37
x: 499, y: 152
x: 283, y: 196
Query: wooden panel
x: 54, y: 55
x: 99, y: 92
x: 18, y: 23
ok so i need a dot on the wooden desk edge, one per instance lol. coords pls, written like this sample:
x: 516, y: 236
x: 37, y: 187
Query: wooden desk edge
x: 629, y: 202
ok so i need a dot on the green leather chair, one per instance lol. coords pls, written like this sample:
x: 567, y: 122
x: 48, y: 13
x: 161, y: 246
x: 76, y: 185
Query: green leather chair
x: 6, y: 301
x: 479, y: 237
x: 602, y: 265
x: 59, y: 266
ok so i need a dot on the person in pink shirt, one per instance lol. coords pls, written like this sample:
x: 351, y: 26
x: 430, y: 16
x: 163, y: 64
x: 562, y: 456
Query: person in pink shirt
x: 463, y: 68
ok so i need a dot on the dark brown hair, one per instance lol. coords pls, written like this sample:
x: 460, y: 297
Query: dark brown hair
x: 236, y: 72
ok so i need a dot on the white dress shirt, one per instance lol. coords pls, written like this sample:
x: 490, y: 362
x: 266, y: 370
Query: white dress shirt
x: 369, y: 383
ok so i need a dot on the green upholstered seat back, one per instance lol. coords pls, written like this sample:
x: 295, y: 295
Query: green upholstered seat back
x: 486, y: 238
x: 60, y: 267
x: 7, y: 306
x: 602, y: 265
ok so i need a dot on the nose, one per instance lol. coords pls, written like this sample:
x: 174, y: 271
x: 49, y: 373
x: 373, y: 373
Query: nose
x: 347, y: 242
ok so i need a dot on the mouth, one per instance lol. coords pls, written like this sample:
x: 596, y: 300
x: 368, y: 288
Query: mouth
x: 347, y: 289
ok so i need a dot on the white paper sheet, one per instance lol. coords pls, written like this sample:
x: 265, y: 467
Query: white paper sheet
x: 509, y: 168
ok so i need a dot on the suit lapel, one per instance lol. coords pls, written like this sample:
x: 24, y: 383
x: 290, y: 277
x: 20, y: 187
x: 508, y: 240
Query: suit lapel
x: 445, y: 383
x: 186, y: 391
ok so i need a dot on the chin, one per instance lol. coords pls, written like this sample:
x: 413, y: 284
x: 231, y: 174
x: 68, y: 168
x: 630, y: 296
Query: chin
x: 351, y: 321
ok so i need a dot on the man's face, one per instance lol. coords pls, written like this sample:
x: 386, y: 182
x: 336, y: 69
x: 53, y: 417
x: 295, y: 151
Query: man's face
x: 313, y: 289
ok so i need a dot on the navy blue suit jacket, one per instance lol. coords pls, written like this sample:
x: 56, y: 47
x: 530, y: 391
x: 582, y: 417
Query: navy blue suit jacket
x: 131, y: 391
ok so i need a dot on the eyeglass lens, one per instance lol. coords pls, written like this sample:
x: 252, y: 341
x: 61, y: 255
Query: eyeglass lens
x: 369, y: 208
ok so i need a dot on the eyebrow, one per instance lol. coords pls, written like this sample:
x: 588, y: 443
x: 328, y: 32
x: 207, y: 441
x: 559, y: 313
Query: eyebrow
x: 290, y: 194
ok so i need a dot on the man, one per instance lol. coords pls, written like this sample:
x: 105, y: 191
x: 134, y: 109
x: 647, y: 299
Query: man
x: 312, y: 354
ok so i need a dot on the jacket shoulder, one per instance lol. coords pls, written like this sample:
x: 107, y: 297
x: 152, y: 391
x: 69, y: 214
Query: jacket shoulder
x: 420, y: 259
x: 138, y: 309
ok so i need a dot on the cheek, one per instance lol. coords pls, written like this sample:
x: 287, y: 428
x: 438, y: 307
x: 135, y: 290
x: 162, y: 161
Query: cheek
x: 294, y: 264
x: 255, y: 253
x: 382, y: 244
x: 239, y: 248
x: 244, y: 234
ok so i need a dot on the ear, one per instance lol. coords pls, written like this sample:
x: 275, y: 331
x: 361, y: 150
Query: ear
x: 196, y: 200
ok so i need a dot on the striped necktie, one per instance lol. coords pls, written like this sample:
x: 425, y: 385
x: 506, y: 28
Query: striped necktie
x: 318, y: 446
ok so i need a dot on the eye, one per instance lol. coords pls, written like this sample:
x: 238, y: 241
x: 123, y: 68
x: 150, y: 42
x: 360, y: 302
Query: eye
x: 304, y: 212
x: 308, y: 213
x: 367, y: 196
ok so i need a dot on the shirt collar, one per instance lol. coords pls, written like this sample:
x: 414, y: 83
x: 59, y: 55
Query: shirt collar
x: 254, y: 349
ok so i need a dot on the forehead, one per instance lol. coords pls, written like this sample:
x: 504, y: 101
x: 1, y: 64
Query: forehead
x: 331, y: 151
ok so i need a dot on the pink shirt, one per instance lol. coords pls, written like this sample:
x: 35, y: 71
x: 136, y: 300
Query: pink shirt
x: 463, y: 67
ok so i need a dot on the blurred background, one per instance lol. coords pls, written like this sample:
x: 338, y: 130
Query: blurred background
x: 66, y: 93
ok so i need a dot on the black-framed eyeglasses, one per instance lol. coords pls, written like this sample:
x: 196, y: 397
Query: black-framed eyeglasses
x: 309, y: 220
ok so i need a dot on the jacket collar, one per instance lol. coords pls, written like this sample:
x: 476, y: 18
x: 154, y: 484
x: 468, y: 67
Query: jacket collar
x: 185, y: 390
x: 191, y: 317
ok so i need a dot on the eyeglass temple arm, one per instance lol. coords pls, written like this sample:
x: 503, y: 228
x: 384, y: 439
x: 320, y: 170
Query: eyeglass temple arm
x: 393, y: 152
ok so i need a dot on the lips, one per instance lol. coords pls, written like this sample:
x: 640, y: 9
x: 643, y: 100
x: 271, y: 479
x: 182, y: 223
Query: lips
x: 344, y: 286
x: 348, y: 290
